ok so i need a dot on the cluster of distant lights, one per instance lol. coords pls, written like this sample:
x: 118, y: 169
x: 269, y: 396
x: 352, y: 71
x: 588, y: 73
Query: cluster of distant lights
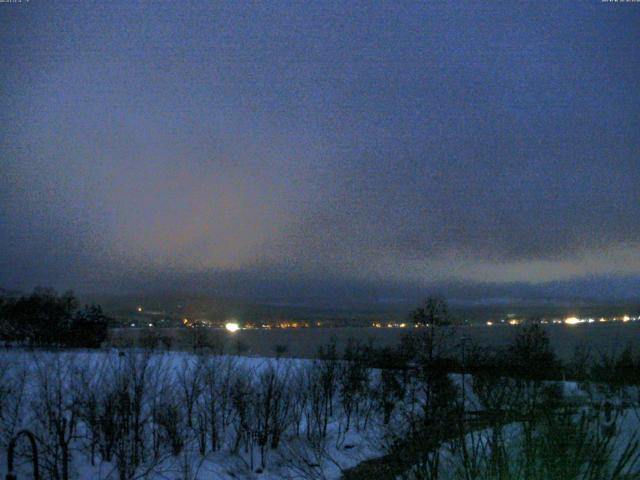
x: 572, y: 320
x: 388, y: 325
x: 234, y: 326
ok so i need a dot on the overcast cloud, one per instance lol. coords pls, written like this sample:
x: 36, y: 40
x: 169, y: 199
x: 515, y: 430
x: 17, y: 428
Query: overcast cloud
x: 332, y: 144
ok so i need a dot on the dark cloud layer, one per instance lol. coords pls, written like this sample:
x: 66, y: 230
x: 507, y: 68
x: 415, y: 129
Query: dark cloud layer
x: 328, y: 145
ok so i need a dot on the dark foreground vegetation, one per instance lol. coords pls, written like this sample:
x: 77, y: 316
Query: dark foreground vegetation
x: 45, y: 318
x: 521, y: 418
x: 432, y: 408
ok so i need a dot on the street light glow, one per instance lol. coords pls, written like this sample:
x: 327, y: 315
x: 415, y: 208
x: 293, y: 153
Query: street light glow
x: 232, y: 327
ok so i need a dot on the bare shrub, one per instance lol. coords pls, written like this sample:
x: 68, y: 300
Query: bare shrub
x: 124, y: 413
x: 215, y: 410
x: 56, y: 407
x: 13, y: 379
x: 271, y: 408
x: 242, y: 393
x: 322, y: 384
x: 189, y: 383
x: 170, y: 417
x: 307, y: 459
x: 353, y: 380
x: 299, y: 391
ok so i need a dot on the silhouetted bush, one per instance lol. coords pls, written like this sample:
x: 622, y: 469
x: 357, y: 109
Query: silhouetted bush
x: 531, y: 355
x: 88, y: 328
x: 433, y: 311
x: 617, y: 369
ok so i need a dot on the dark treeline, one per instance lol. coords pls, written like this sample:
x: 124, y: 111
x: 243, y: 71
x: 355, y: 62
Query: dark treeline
x: 45, y: 318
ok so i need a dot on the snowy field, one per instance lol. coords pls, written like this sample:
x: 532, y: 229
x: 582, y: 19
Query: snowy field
x: 175, y: 415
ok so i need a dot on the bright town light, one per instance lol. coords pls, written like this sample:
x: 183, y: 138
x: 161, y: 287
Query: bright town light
x: 572, y: 321
x: 232, y: 327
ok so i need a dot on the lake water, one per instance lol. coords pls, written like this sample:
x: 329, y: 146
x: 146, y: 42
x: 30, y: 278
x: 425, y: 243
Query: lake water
x: 304, y: 342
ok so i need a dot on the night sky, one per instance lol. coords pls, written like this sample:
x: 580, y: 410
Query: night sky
x: 325, y: 147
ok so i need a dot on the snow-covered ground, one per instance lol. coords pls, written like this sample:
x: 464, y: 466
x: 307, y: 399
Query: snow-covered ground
x: 30, y: 383
x: 177, y: 415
